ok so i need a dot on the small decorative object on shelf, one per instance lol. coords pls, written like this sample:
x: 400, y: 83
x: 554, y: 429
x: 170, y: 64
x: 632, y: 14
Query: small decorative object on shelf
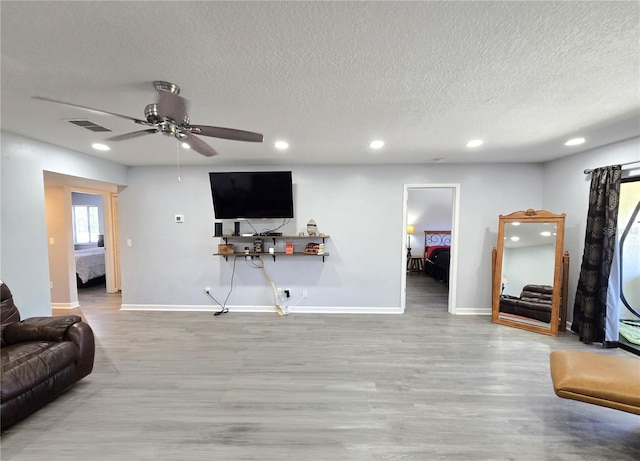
x: 225, y: 249
x: 312, y: 227
x: 288, y: 248
x: 257, y: 246
x: 314, y: 249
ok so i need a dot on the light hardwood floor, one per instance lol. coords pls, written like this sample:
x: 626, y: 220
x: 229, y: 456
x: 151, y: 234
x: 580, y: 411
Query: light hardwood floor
x: 420, y: 386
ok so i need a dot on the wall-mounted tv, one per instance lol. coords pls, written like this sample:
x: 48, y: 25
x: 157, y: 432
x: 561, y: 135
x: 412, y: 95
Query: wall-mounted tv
x: 252, y: 194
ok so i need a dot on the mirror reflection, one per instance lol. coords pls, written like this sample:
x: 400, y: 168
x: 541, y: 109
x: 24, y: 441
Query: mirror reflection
x: 528, y: 271
x: 528, y: 266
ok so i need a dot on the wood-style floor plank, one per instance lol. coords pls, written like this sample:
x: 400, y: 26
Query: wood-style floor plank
x: 170, y: 386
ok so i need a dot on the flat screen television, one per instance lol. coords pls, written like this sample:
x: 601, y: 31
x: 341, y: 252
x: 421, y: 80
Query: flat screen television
x: 252, y: 194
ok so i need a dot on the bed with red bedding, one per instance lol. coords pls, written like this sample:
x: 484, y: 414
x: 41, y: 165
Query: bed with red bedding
x: 437, y: 254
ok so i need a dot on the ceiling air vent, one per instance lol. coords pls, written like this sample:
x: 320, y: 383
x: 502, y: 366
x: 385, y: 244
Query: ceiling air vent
x: 89, y: 125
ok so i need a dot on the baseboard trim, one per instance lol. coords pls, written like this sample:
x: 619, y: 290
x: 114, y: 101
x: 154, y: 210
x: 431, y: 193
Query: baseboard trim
x: 72, y: 305
x: 263, y: 309
x: 472, y: 311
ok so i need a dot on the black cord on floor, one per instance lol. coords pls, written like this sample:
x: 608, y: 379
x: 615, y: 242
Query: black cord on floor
x: 223, y: 307
x: 224, y: 310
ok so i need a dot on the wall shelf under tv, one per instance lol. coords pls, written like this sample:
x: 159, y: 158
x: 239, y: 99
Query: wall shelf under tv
x: 275, y: 238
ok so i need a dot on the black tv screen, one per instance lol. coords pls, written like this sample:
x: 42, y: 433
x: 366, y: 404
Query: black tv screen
x: 257, y: 194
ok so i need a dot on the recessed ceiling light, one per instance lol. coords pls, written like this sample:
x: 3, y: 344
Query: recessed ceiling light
x: 475, y: 143
x: 515, y: 223
x: 574, y: 142
x: 377, y: 144
x: 515, y: 239
x: 186, y: 146
x: 281, y: 145
x: 545, y: 234
x: 98, y: 146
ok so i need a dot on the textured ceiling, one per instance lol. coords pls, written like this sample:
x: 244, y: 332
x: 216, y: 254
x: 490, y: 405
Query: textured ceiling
x: 329, y: 77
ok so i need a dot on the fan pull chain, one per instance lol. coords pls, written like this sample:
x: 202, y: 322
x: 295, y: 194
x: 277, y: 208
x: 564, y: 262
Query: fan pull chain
x: 178, y: 158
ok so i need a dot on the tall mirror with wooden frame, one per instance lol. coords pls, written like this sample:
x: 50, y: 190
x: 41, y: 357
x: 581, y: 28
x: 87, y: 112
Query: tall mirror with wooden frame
x: 530, y: 272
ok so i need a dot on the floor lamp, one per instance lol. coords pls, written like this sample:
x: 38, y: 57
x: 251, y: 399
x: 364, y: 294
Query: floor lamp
x: 410, y: 231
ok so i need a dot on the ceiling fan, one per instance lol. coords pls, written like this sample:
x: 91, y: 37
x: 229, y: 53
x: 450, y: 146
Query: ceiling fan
x: 169, y: 117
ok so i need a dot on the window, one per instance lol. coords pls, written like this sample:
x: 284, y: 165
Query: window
x: 86, y: 224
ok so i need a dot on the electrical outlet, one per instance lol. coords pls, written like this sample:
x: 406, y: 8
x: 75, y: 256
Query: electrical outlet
x: 207, y: 290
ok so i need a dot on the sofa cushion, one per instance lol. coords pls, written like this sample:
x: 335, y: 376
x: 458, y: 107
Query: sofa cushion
x: 26, y: 365
x: 597, y: 378
x: 534, y: 306
x: 38, y: 329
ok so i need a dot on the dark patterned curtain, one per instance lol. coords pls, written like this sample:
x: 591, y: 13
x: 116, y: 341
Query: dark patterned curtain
x: 590, y: 308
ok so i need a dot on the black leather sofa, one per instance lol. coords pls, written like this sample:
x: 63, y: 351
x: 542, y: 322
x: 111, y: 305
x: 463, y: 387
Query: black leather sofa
x: 41, y: 357
x: 535, y: 302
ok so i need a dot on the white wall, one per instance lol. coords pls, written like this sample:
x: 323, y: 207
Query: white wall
x: 533, y: 265
x: 23, y: 240
x: 361, y: 207
x: 60, y: 239
x: 169, y: 264
x: 566, y: 190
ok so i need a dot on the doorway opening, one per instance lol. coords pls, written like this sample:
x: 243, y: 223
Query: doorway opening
x: 81, y: 215
x: 429, y: 245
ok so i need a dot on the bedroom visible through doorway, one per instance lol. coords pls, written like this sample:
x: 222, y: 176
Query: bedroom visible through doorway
x: 431, y: 217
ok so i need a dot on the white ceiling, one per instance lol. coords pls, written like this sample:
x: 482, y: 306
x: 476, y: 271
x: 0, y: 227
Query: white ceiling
x: 329, y: 77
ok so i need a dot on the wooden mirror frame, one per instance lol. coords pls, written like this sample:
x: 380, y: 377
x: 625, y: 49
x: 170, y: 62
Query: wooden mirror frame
x: 560, y: 274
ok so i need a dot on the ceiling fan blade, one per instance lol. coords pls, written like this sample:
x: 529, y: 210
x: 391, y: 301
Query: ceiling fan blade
x: 91, y: 109
x: 172, y: 107
x: 198, y: 145
x: 226, y: 133
x: 135, y: 134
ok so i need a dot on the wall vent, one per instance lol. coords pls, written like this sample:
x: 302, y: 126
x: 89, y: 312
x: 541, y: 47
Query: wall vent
x: 89, y: 125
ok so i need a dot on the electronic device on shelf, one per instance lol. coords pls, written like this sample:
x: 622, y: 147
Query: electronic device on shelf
x: 271, y: 234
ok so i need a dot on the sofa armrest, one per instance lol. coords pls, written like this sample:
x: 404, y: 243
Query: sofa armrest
x: 39, y: 329
x: 509, y: 301
x: 82, y: 335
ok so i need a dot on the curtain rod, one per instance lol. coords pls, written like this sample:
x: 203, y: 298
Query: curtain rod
x: 589, y: 170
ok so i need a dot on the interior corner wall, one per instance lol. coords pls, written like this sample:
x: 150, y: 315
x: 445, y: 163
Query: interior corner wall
x: 58, y: 219
x: 566, y: 190
x: 24, y: 263
x: 168, y: 264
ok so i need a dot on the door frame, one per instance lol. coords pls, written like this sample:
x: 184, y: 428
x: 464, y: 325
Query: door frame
x: 110, y: 226
x: 453, y: 265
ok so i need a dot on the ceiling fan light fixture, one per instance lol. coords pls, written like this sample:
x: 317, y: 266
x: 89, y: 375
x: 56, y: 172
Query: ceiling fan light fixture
x: 574, y: 142
x: 281, y: 145
x: 99, y: 146
x: 168, y: 116
x: 377, y: 144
